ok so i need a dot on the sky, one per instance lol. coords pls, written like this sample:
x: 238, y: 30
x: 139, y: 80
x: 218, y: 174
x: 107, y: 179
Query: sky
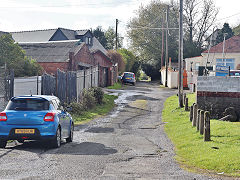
x: 22, y: 15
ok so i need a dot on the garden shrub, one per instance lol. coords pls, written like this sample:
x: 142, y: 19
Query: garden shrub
x: 88, y: 99
x: 77, y: 107
x: 98, y: 94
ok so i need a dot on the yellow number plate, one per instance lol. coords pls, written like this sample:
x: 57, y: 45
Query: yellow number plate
x: 24, y: 131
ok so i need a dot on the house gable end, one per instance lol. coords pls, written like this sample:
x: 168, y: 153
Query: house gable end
x: 58, y: 36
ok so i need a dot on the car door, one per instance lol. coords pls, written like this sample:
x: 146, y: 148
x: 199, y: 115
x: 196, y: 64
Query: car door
x: 63, y: 119
x: 58, y: 112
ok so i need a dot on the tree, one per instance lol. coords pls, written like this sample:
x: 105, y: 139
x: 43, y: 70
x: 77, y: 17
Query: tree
x: 132, y: 63
x: 199, y: 17
x: 128, y: 57
x: 146, y: 37
x: 14, y: 57
x: 100, y: 35
x: 225, y: 30
x: 111, y: 39
x: 116, y: 57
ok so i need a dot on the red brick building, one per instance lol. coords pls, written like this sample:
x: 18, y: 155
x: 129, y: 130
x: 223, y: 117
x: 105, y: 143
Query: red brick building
x: 67, y: 50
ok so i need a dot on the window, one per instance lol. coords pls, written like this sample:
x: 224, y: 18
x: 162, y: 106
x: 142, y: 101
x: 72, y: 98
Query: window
x: 197, y: 66
x: 88, y: 40
x: 226, y: 62
x: 30, y: 104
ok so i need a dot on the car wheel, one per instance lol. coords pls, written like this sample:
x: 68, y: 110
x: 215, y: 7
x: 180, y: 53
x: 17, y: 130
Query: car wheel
x: 56, y: 143
x: 3, y: 143
x: 70, y: 138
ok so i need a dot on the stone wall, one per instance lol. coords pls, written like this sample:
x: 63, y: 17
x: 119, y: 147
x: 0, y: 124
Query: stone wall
x: 215, y: 94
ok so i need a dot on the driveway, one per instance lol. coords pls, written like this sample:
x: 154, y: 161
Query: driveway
x: 129, y: 143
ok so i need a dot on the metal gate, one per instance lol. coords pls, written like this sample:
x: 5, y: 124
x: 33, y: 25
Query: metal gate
x: 6, y: 86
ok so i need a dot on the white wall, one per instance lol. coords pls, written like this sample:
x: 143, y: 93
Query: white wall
x: 27, y: 85
x: 195, y: 60
x: 172, y: 78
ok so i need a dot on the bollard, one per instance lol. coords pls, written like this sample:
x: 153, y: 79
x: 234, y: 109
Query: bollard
x: 186, y: 104
x: 194, y: 115
x: 184, y: 98
x: 198, y: 119
x: 191, y: 113
x: 207, y: 135
x: 201, y: 122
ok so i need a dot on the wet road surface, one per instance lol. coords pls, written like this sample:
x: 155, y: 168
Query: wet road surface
x: 129, y: 143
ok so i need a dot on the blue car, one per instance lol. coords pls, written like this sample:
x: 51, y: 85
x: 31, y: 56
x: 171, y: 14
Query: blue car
x: 35, y: 117
x: 128, y: 77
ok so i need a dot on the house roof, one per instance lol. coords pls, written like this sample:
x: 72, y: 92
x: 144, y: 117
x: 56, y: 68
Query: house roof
x: 45, y: 35
x: 96, y: 45
x: 33, y: 36
x: 232, y: 45
x: 70, y: 34
x: 53, y: 51
x: 81, y: 32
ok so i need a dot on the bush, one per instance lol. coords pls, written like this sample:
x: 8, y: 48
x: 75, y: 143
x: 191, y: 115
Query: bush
x: 77, y: 108
x: 88, y: 99
x: 98, y: 94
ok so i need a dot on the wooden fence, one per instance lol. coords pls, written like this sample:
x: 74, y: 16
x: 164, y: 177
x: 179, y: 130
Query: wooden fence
x: 68, y: 86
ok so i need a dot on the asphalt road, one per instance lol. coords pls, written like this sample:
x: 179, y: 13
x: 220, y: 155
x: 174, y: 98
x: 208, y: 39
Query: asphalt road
x: 129, y: 143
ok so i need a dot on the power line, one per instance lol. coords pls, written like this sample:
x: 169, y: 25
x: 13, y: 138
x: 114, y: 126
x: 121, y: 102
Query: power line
x: 228, y: 17
x: 152, y: 28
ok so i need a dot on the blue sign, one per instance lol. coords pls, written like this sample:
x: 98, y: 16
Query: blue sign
x: 222, y: 70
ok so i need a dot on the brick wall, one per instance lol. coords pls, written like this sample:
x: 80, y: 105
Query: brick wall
x: 102, y: 60
x: 83, y: 56
x: 215, y: 94
x: 51, y: 67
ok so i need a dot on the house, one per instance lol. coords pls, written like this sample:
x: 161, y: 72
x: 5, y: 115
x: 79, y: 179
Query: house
x: 66, y: 49
x: 230, y: 57
x: 64, y: 55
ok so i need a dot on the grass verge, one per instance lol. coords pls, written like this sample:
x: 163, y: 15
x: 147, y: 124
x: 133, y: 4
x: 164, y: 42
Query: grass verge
x: 218, y: 156
x: 115, y: 86
x: 98, y: 110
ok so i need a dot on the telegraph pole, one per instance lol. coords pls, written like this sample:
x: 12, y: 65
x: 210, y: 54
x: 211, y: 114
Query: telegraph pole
x: 162, y: 56
x: 180, y: 56
x: 166, y: 53
x: 116, y: 35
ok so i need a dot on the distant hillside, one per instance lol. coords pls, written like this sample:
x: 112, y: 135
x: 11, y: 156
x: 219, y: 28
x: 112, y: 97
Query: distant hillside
x: 236, y: 30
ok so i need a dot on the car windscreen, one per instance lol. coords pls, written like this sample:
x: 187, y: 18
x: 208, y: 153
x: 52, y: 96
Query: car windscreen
x: 128, y: 75
x: 30, y: 104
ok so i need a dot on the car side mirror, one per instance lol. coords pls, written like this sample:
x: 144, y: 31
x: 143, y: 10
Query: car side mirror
x: 61, y: 108
x: 68, y: 109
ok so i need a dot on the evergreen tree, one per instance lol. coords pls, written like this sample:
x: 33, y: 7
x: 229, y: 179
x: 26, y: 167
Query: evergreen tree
x: 225, y: 30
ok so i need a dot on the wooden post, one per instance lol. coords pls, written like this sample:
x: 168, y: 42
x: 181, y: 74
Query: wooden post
x: 186, y: 104
x: 201, y: 122
x: 198, y: 119
x: 191, y: 113
x: 207, y: 135
x: 184, y: 98
x: 194, y: 115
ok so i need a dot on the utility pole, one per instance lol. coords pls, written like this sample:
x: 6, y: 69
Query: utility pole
x: 162, y: 44
x: 180, y: 56
x: 166, y: 53
x: 224, y: 39
x: 116, y: 35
